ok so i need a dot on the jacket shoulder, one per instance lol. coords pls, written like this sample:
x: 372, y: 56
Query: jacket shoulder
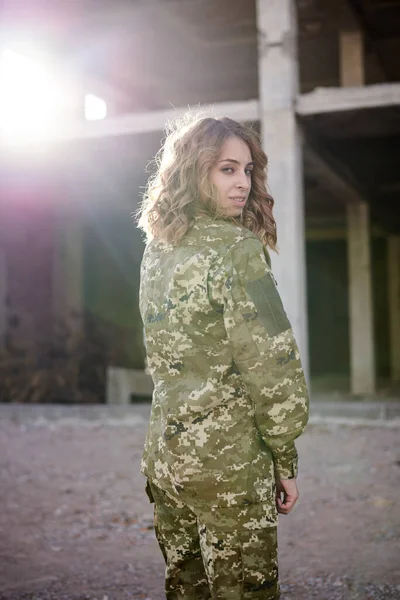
x: 217, y: 233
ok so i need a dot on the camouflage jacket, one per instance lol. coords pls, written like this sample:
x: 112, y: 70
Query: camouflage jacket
x: 229, y: 391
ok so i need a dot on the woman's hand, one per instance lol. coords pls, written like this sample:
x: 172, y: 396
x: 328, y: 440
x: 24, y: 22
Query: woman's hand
x: 286, y: 495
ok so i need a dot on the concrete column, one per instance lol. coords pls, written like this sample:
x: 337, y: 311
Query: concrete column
x: 68, y: 267
x: 351, y: 58
x: 394, y: 304
x: 278, y: 88
x: 362, y: 357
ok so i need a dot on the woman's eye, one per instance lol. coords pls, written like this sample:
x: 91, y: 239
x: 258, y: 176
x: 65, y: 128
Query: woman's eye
x: 230, y: 170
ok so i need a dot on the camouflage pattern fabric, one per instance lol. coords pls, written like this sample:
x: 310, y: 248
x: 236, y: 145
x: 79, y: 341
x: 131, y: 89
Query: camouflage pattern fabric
x: 205, y: 559
x: 229, y: 391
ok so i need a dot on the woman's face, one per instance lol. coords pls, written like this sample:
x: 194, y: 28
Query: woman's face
x: 231, y: 175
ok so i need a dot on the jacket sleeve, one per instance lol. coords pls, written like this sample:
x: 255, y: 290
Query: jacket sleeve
x: 263, y: 348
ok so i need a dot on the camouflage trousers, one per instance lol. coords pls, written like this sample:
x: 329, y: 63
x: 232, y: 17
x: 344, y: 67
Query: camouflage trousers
x: 206, y: 560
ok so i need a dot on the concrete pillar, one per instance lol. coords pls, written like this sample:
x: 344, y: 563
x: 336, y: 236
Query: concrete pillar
x: 362, y: 356
x: 394, y: 304
x: 278, y: 88
x: 351, y: 58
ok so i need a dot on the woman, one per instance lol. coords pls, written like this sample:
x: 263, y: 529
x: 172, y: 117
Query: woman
x: 229, y: 391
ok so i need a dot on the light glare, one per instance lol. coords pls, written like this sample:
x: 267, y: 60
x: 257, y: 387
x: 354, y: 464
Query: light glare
x: 95, y: 108
x: 32, y: 100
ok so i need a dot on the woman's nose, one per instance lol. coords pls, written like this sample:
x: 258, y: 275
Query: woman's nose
x: 243, y: 182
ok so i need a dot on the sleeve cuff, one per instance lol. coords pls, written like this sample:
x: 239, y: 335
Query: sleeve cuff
x: 286, y: 462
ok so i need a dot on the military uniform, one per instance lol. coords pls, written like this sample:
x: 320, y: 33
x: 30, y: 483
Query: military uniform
x: 229, y: 400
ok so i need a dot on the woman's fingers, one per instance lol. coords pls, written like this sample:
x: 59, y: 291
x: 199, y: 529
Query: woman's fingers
x: 287, y: 495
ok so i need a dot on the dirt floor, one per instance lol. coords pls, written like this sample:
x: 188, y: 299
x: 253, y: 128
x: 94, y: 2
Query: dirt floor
x: 75, y: 522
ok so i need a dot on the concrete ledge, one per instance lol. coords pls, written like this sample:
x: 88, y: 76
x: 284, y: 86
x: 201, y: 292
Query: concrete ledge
x: 73, y: 413
x: 341, y: 412
x: 331, y: 99
x: 352, y: 409
x: 151, y: 121
x: 124, y: 384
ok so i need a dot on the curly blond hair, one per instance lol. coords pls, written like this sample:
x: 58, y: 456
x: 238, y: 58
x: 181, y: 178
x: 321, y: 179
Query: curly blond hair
x: 181, y: 189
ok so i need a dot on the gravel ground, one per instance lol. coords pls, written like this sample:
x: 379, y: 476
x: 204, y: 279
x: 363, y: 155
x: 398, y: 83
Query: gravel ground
x: 75, y: 522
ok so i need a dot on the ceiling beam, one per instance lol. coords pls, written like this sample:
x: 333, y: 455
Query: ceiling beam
x: 152, y: 121
x: 319, y: 101
x: 328, y: 100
